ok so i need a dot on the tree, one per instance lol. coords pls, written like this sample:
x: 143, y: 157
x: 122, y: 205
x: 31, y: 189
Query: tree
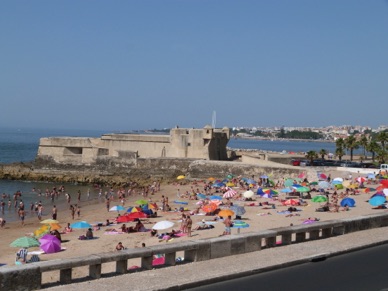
x: 351, y: 144
x: 311, y: 155
x: 382, y: 137
x: 364, y: 143
x: 373, y: 147
x: 340, y: 148
x: 339, y: 152
x: 323, y: 153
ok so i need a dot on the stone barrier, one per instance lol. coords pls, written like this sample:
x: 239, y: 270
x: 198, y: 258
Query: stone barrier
x: 29, y: 276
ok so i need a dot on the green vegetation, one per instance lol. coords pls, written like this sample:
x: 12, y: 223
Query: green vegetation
x: 296, y: 134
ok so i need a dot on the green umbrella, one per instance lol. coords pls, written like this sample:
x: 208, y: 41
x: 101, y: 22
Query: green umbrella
x: 289, y: 182
x: 314, y: 183
x: 303, y: 189
x: 141, y: 202
x: 25, y: 242
x: 319, y: 198
x: 230, y: 176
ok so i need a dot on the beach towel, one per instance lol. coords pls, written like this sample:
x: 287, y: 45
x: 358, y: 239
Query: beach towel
x: 283, y: 212
x: 113, y: 232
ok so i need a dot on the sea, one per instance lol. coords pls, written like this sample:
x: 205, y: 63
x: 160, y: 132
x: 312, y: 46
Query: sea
x: 21, y: 145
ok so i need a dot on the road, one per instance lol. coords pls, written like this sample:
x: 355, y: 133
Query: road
x: 362, y: 270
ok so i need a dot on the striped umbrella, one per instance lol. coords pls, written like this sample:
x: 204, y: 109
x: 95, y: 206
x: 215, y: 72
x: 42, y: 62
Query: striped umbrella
x: 240, y: 224
x: 229, y: 194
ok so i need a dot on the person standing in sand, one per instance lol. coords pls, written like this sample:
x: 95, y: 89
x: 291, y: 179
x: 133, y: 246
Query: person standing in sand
x: 22, y: 215
x: 189, y: 224
x: 228, y: 224
x: 54, y: 212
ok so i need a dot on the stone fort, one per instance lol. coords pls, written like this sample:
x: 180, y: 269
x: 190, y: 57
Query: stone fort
x: 206, y: 143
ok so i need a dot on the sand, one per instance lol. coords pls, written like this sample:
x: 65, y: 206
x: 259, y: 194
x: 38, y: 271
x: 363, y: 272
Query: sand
x: 259, y: 218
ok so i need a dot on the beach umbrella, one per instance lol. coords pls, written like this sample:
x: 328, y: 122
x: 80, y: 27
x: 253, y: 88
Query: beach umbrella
x: 81, y: 224
x: 218, y: 185
x: 248, y: 194
x: 25, y: 242
x: 211, y: 179
x: 55, y: 226
x: 226, y: 213
x: 384, y: 183
x: 239, y: 224
x: 134, y: 209
x: 336, y: 182
x: 348, y: 202
x: 208, y: 208
x: 117, y: 208
x: 319, y: 198
x: 229, y: 194
x: 49, y: 221
x: 230, y: 184
x: 41, y: 231
x: 180, y: 177
x: 339, y: 186
x: 230, y: 176
x: 286, y: 190
x: 266, y: 195
x: 377, y: 200
x: 303, y: 189
x: 338, y: 179
x: 270, y: 191
x: 346, y: 183
x: 201, y: 196
x: 50, y: 244
x: 371, y: 176
x: 323, y: 185
x: 322, y: 177
x: 238, y: 210
x: 164, y: 224
x: 291, y: 202
x: 260, y: 191
x: 385, y: 191
x: 314, y: 183
x: 264, y: 177
x: 141, y: 202
x: 152, y: 205
x: 251, y: 181
x: 215, y: 197
x: 361, y: 180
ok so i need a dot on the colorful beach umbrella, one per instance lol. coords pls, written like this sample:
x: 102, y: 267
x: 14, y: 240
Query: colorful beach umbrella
x: 25, y: 242
x: 50, y: 244
x: 319, y: 198
x: 377, y: 200
x: 81, y: 224
x: 208, y: 208
x: 230, y: 193
x: 348, y: 202
x: 225, y: 213
x: 239, y: 224
x: 117, y: 208
x: 164, y: 224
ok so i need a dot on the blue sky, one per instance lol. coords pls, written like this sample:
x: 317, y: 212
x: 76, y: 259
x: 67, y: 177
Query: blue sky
x: 120, y: 65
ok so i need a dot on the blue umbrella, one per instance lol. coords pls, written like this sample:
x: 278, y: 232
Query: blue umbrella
x: 81, y: 224
x: 117, y: 208
x: 377, y: 200
x: 251, y: 181
x: 219, y: 185
x: 264, y: 177
x: 239, y: 224
x: 260, y: 191
x: 348, y: 202
x: 215, y: 197
x: 201, y: 196
x: 286, y: 190
x: 238, y: 210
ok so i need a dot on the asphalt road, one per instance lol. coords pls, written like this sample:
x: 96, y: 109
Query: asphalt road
x: 362, y: 270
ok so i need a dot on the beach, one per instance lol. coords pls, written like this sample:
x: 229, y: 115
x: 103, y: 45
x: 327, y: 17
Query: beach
x: 95, y: 212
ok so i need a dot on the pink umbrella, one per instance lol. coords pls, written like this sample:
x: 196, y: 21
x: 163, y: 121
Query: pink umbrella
x: 229, y: 194
x: 50, y: 244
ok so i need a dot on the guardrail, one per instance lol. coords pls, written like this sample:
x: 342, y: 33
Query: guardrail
x: 29, y: 276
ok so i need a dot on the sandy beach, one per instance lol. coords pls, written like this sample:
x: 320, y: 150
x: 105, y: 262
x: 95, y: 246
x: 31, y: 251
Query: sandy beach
x: 258, y: 217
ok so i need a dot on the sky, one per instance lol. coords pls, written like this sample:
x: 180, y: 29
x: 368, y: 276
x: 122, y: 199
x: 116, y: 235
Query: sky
x: 123, y: 65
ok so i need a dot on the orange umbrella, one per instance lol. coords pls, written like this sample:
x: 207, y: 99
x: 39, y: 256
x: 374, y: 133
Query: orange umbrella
x: 211, y: 179
x: 226, y: 213
x: 55, y: 226
x: 211, y: 207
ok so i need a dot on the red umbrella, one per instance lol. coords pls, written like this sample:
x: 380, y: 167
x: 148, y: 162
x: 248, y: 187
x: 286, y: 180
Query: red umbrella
x: 131, y: 216
x: 384, y: 183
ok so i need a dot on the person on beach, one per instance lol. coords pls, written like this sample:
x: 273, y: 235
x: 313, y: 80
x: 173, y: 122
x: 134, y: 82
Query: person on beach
x: 54, y: 212
x: 189, y: 224
x: 120, y: 247
x: 79, y: 195
x: 68, y: 228
x: 22, y: 216
x: 228, y: 225
x: 2, y: 222
x: 72, y: 211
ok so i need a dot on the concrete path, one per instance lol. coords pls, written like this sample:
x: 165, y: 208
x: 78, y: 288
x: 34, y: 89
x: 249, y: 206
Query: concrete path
x: 200, y: 273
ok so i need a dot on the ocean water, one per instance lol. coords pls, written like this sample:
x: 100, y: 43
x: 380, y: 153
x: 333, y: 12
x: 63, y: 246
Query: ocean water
x: 21, y: 145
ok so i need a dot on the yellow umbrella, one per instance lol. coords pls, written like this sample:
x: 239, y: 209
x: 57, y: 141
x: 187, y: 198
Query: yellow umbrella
x: 180, y: 177
x: 230, y: 184
x: 211, y: 179
x: 49, y: 221
x: 352, y: 186
x: 41, y: 231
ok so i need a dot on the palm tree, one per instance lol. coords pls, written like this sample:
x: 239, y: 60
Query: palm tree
x: 351, y: 144
x: 373, y: 147
x: 340, y: 148
x: 364, y: 143
x: 323, y: 153
x: 311, y: 155
x: 381, y: 156
x: 339, y: 152
x: 382, y: 137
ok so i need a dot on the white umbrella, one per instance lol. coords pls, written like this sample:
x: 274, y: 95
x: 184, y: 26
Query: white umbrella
x: 323, y: 185
x: 229, y: 194
x: 248, y: 194
x: 338, y: 179
x: 164, y: 224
